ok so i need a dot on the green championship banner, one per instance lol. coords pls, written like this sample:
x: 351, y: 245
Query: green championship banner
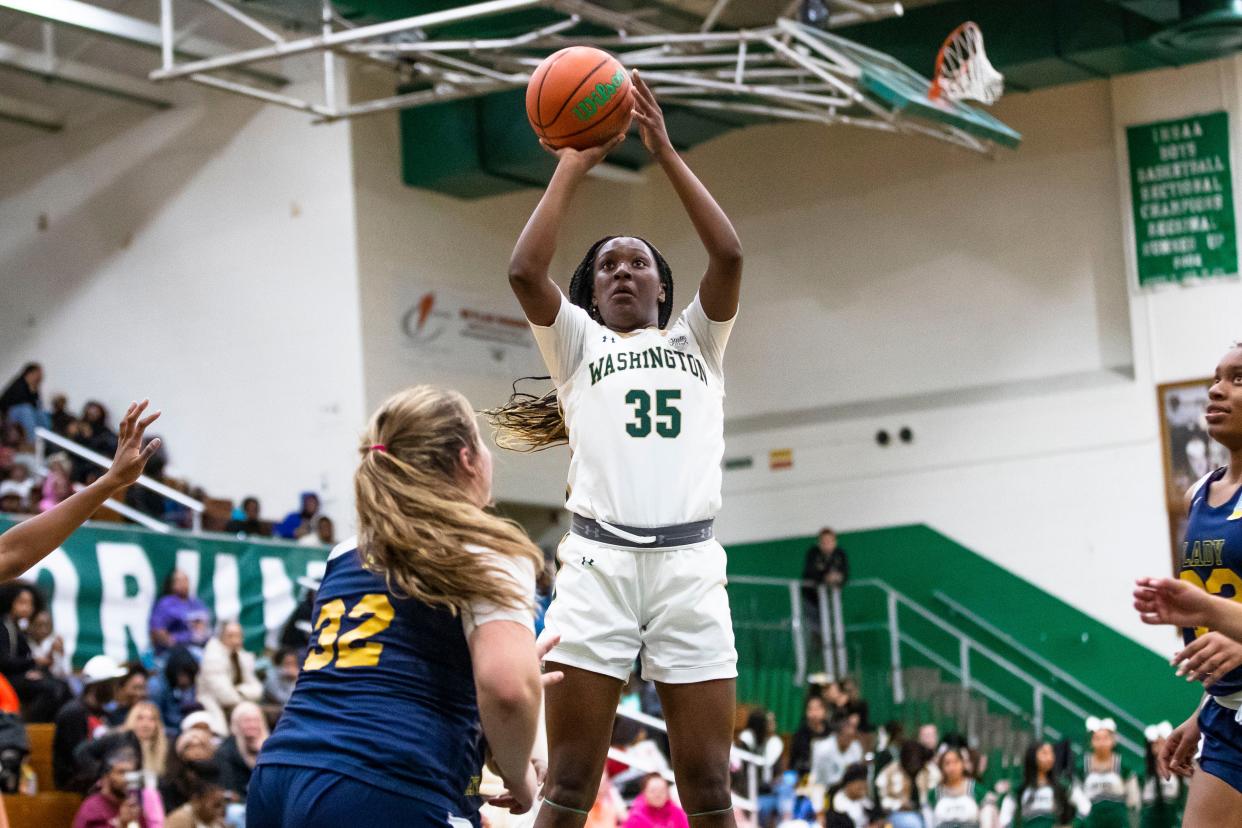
x: 1181, y: 187
x: 103, y: 582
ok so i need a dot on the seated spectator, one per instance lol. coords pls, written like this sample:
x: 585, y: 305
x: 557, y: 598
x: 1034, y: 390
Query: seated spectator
x: 280, y: 680
x: 179, y: 618
x: 850, y: 798
x: 237, y: 754
x: 11, y: 504
x: 324, y: 534
x: 832, y: 756
x: 609, y: 809
x: 226, y: 676
x: 141, y: 733
x: 20, y: 402
x: 129, y: 691
x: 654, y: 808
x: 62, y: 420
x: 193, y: 756
x: 892, y: 737
x: 898, y: 788
x: 18, y: 482
x: 814, y: 729
x: 207, y: 802
x: 94, y: 433
x: 856, y: 705
x: 760, y: 737
x: 178, y: 697
x: 634, y: 739
x: 112, y: 803
x: 249, y: 523
x: 82, y: 720
x: 57, y: 486
x: 40, y: 692
x: 296, y: 633
x: 46, y: 647
x: 929, y: 737
x: 297, y: 524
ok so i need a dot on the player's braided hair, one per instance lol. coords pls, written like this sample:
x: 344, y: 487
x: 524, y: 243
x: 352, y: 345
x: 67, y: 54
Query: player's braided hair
x: 532, y: 422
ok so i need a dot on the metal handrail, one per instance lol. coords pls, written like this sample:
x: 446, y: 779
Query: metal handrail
x: 1042, y: 691
x: 1027, y: 652
x: 45, y: 435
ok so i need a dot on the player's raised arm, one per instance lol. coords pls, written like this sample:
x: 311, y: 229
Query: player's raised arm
x: 721, y: 285
x: 528, y: 266
x: 30, y: 541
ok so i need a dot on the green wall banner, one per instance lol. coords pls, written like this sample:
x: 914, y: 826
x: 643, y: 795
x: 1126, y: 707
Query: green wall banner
x: 103, y: 582
x: 1181, y: 190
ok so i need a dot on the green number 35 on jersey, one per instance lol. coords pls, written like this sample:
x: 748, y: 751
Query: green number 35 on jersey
x: 667, y: 416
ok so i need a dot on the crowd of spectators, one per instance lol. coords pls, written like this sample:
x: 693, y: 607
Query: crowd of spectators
x: 169, y: 739
x: 26, y: 488
x: 837, y: 771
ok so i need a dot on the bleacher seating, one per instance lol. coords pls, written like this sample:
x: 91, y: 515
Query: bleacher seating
x: 48, y: 808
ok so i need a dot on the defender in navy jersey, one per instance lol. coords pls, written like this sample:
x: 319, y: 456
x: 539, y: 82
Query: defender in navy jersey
x: 1211, y: 561
x: 408, y: 670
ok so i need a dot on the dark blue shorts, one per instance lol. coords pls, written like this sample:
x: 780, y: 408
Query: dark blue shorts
x: 285, y: 796
x: 1222, y: 744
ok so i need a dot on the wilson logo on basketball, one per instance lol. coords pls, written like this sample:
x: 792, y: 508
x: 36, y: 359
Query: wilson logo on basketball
x: 599, y: 98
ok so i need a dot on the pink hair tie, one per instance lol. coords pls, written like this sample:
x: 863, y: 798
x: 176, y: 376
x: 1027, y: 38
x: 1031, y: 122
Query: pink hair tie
x: 379, y: 447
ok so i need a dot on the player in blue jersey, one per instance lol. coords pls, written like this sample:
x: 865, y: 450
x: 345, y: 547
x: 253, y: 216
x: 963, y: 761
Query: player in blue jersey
x: 423, y: 644
x: 1211, y: 560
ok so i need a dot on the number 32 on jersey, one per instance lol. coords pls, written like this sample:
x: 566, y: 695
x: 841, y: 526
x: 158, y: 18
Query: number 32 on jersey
x: 351, y: 649
x: 1222, y: 581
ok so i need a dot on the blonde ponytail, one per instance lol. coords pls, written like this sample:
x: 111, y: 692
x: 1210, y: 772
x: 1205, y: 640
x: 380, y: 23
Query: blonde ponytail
x: 416, y: 519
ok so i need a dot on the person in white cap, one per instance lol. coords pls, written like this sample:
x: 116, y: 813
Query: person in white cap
x: 27, y: 543
x: 83, y: 719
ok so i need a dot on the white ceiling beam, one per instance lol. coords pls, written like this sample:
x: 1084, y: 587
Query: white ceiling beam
x: 334, y: 40
x: 81, y: 75
x: 30, y: 114
x: 122, y: 27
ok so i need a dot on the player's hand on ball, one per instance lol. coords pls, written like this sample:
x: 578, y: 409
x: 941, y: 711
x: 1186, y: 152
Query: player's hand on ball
x: 585, y: 159
x: 1169, y: 601
x: 131, y: 455
x: 650, y: 118
x: 1177, y: 755
x: 1208, y: 658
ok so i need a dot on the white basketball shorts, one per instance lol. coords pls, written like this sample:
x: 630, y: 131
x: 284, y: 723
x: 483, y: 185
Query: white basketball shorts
x: 668, y: 607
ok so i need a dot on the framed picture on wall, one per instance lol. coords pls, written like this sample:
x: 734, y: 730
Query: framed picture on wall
x: 1188, y: 451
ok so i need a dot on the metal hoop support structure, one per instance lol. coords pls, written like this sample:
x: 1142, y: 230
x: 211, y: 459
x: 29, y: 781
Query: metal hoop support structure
x: 785, y: 71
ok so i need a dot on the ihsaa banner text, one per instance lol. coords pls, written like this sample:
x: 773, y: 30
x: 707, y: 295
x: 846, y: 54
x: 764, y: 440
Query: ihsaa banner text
x: 102, y: 583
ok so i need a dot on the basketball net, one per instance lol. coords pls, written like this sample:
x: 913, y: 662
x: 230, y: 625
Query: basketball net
x: 963, y: 70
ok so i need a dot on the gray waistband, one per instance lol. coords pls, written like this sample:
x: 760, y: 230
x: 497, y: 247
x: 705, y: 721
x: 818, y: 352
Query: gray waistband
x: 635, y: 537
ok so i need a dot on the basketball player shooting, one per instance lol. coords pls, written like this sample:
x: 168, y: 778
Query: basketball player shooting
x: 642, y: 405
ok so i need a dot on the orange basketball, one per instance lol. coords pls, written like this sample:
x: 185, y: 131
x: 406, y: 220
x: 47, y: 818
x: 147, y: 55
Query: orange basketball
x: 579, y: 97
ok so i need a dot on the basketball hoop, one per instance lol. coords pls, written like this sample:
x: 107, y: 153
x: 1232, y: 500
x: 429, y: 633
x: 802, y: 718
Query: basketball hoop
x: 963, y: 70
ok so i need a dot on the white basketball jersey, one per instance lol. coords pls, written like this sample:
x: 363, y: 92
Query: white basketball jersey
x: 645, y: 413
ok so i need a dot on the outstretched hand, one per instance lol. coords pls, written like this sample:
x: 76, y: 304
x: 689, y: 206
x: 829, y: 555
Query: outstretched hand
x: 1170, y: 601
x: 650, y: 117
x: 131, y: 455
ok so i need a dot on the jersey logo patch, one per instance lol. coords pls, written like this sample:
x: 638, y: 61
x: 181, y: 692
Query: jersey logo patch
x: 587, y: 561
x: 679, y: 341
